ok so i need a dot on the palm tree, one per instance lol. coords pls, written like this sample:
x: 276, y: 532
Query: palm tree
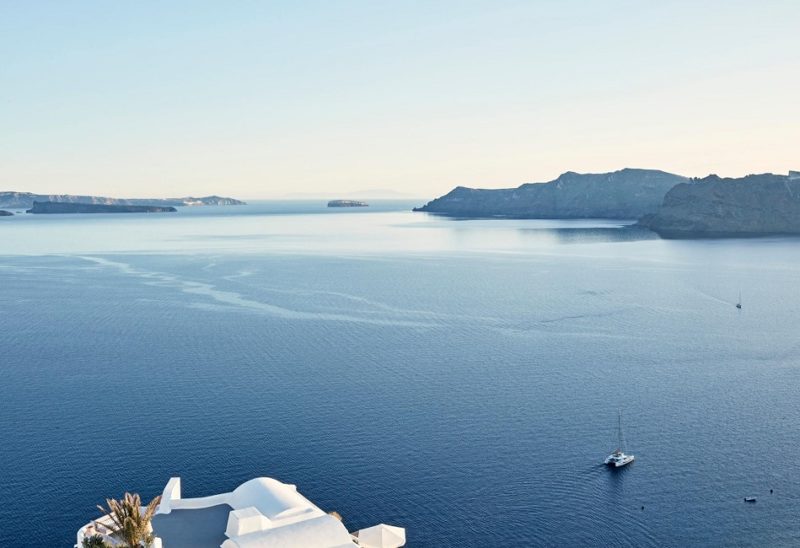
x: 131, y: 524
x: 95, y: 541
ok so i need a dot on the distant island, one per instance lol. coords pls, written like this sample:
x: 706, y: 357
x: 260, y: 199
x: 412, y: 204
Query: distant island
x: 5, y: 213
x: 24, y: 200
x: 670, y: 205
x: 347, y: 203
x: 715, y: 207
x: 76, y: 207
x: 625, y: 194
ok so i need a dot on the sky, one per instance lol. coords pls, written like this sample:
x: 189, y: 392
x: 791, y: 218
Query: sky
x: 261, y: 99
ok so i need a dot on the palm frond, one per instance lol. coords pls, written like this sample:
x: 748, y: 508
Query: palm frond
x: 131, y: 524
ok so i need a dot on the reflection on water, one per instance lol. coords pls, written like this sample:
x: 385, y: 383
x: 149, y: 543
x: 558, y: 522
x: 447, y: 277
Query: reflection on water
x: 588, y: 235
x: 300, y: 227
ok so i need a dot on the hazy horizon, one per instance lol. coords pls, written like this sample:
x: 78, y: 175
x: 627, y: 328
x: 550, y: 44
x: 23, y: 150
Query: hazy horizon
x: 267, y: 100
x: 329, y: 194
x: 374, y: 194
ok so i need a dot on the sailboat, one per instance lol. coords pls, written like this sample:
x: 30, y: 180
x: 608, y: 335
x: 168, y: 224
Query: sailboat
x: 739, y: 302
x: 619, y: 457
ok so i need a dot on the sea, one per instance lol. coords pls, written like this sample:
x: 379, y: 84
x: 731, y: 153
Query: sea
x: 459, y: 378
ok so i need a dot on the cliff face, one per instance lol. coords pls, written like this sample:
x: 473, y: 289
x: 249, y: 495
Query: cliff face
x: 62, y: 207
x: 26, y: 199
x: 715, y: 207
x: 624, y: 194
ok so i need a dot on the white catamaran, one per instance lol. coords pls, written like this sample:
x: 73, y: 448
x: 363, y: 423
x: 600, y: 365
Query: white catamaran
x: 618, y: 457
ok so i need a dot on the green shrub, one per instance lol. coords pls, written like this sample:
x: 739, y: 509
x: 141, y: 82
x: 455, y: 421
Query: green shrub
x: 95, y: 541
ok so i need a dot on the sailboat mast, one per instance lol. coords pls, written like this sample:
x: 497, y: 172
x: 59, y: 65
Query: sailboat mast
x: 621, y: 440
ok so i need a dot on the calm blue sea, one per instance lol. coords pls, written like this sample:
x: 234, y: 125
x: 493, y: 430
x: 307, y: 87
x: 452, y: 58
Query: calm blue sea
x: 460, y: 378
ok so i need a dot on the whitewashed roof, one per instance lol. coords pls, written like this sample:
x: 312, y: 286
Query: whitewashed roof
x: 260, y: 513
x: 264, y: 512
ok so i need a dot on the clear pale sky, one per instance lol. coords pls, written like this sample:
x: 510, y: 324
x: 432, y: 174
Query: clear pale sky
x: 257, y: 99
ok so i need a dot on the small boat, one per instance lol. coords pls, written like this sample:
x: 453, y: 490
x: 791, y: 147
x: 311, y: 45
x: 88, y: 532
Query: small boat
x: 619, y: 457
x: 739, y: 302
x: 749, y: 499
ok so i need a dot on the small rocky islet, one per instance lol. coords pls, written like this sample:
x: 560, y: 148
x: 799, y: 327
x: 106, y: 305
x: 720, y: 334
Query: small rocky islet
x: 347, y: 203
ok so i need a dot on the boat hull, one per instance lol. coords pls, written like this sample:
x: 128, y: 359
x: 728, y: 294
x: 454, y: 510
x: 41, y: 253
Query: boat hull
x: 619, y: 461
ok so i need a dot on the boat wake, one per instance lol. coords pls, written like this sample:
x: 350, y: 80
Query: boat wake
x: 231, y: 300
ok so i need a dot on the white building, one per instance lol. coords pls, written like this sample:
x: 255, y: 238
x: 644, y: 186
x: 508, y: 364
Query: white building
x: 260, y: 513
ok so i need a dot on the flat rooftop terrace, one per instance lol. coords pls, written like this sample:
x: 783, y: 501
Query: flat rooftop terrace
x: 200, y: 528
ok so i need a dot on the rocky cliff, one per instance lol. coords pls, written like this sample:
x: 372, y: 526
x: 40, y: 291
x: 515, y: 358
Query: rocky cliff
x: 26, y: 199
x: 65, y: 207
x: 625, y: 194
x: 716, y: 207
